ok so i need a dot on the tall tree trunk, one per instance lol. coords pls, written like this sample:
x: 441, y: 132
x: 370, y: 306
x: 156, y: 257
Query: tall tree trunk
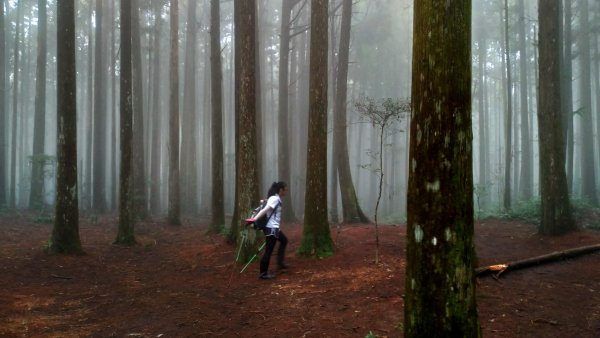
x: 556, y: 209
x: 36, y: 197
x: 283, y: 139
x: 155, y: 156
x: 114, y: 107
x: 216, y: 82
x: 189, y: 193
x: 100, y: 115
x: 526, y: 179
x: 483, y: 135
x: 440, y: 280
x: 125, y: 233
x: 173, y: 216
x: 588, y: 177
x: 87, y: 186
x: 65, y: 233
x: 260, y: 143
x: 508, y: 119
x: 3, y: 115
x: 13, y: 154
x: 138, y: 176
x: 246, y: 143
x: 352, y: 213
x: 316, y: 237
x: 567, y: 90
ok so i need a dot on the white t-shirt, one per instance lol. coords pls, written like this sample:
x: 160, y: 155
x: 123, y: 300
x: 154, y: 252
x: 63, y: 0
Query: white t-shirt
x: 275, y: 220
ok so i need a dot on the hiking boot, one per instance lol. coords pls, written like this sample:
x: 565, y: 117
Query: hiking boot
x: 266, y: 275
x: 282, y: 266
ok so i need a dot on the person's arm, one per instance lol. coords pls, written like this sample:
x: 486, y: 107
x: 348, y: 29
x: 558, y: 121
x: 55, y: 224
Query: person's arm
x: 262, y: 213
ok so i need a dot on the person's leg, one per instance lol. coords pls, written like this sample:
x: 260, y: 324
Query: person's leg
x: 281, y: 251
x: 264, y: 262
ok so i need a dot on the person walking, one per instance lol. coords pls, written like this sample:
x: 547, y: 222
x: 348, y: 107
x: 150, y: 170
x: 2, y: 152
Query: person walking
x: 273, y: 233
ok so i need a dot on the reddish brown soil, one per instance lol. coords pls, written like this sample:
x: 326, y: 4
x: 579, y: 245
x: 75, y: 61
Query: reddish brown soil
x: 180, y: 282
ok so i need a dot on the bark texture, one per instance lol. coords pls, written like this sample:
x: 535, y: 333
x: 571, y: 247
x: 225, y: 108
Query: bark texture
x: 125, y: 233
x: 556, y: 216
x: 440, y: 296
x: 65, y: 233
x: 173, y: 216
x: 218, y: 207
x: 316, y: 237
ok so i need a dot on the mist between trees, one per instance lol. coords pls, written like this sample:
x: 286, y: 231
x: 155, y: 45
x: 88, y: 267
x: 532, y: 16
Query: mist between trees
x: 504, y: 106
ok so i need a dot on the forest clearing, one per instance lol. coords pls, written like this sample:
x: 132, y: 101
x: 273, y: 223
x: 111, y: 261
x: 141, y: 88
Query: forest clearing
x: 180, y: 282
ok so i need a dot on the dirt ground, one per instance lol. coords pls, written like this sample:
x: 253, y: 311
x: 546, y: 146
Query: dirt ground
x: 180, y: 282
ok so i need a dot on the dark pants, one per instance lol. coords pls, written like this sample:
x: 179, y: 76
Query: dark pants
x: 271, y: 240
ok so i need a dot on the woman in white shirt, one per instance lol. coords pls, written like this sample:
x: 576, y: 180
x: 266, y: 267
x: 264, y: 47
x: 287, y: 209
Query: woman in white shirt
x: 273, y: 233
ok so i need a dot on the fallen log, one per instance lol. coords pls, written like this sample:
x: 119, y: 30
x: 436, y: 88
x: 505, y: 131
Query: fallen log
x: 497, y: 269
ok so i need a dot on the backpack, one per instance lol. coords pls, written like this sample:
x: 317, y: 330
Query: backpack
x: 261, y: 223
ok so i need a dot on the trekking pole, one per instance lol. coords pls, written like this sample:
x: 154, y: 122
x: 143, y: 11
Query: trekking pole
x: 237, y: 257
x: 253, y: 257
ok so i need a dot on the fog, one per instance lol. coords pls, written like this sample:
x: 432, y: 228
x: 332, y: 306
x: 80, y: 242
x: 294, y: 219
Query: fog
x: 504, y: 84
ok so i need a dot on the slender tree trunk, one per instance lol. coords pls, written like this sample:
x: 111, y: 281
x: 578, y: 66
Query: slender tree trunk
x: 588, y: 177
x: 90, y: 117
x: 3, y: 114
x: 483, y: 135
x: 218, y: 208
x: 283, y: 139
x: 526, y: 179
x: 440, y: 289
x: 556, y: 209
x: 156, y: 119
x: 125, y: 233
x: 567, y: 91
x: 36, y: 197
x: 188, y: 138
x: 100, y: 115
x: 138, y: 175
x: 316, y: 237
x: 352, y: 213
x: 65, y: 233
x: 13, y: 154
x: 114, y: 106
x: 174, y: 203
x: 508, y: 119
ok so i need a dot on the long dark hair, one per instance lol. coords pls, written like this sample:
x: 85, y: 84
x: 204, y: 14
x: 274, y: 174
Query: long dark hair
x: 275, y: 188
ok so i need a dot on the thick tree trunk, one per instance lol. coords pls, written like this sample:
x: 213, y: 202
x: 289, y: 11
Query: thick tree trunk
x: 218, y: 208
x: 246, y: 143
x: 173, y: 216
x: 36, y: 197
x: 351, y: 211
x: 316, y: 237
x: 556, y: 209
x: 440, y: 296
x: 125, y: 233
x: 65, y: 233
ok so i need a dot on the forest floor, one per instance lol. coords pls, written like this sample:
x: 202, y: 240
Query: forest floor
x: 180, y: 282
